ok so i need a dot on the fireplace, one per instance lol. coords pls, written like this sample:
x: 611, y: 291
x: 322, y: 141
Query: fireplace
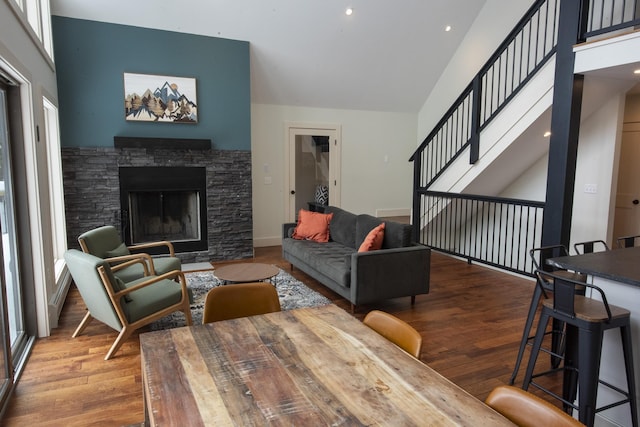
x: 93, y: 196
x: 164, y: 203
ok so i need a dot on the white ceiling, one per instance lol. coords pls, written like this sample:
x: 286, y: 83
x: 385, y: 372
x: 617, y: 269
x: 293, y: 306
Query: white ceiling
x: 386, y: 56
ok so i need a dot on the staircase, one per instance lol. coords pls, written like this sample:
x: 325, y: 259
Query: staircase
x: 470, y: 150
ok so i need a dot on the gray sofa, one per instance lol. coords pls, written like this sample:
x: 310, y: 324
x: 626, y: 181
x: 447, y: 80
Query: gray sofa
x: 399, y: 269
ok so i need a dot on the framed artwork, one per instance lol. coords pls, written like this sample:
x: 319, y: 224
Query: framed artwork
x: 154, y: 98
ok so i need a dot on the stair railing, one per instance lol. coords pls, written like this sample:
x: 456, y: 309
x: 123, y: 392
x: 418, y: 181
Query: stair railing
x: 525, y: 50
x: 495, y: 231
x: 607, y: 16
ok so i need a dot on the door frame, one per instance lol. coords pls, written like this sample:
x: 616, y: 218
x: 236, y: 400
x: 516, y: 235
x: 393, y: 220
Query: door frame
x: 625, y: 213
x: 293, y: 129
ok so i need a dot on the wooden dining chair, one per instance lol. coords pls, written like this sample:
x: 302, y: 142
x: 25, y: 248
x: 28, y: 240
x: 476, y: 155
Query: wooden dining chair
x: 395, y: 330
x: 240, y: 300
x: 528, y: 410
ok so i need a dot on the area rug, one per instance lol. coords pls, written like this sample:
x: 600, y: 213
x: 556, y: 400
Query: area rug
x: 292, y: 292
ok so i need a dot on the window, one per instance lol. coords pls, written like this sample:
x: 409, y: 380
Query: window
x: 36, y: 17
x: 56, y: 193
x: 45, y: 20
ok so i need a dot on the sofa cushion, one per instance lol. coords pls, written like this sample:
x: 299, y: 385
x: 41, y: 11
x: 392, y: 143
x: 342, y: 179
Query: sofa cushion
x: 374, y: 239
x: 329, y: 258
x: 343, y: 226
x: 312, y: 226
x: 397, y: 235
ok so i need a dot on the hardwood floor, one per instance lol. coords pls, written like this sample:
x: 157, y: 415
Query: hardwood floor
x: 471, y: 323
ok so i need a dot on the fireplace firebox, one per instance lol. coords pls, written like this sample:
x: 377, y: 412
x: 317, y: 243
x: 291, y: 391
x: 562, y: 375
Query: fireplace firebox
x: 164, y: 203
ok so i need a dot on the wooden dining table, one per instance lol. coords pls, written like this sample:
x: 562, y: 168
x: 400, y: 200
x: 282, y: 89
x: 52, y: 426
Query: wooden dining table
x: 305, y: 367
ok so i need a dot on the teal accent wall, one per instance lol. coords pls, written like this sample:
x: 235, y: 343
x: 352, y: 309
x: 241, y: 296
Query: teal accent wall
x: 92, y: 57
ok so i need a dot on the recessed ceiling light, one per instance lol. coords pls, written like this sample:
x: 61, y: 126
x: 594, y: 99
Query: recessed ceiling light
x: 447, y: 28
x: 349, y: 11
x: 547, y: 134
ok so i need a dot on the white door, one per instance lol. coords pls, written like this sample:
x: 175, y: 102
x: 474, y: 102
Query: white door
x: 313, y: 160
x: 627, y: 214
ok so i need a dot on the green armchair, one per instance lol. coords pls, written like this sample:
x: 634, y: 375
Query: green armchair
x: 125, y: 306
x: 104, y: 242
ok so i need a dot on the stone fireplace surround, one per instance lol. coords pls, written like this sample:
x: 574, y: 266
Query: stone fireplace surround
x: 92, y: 192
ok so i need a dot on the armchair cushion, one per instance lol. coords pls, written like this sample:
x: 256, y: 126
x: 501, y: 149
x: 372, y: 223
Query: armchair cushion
x: 101, y: 240
x: 84, y: 270
x: 161, y: 265
x: 151, y: 299
x: 105, y: 242
x: 120, y: 250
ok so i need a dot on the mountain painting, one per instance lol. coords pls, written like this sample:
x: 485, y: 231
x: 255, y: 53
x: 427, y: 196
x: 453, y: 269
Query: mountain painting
x: 150, y: 98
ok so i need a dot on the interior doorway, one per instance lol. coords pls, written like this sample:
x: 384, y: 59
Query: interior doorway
x: 627, y: 211
x: 313, y: 166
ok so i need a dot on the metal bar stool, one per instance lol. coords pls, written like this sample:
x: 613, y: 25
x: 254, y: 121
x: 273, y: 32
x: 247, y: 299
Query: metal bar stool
x: 628, y: 241
x: 586, y: 320
x: 538, y: 258
x: 590, y: 247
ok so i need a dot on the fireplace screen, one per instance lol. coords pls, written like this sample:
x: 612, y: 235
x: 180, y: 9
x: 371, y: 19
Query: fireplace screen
x: 164, y: 215
x: 164, y: 203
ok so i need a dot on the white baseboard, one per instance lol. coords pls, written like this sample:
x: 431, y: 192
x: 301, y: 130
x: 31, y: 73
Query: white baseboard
x: 263, y: 242
x: 57, y: 299
x: 393, y: 212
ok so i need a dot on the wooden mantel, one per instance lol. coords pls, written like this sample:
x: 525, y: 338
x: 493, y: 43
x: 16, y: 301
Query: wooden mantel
x: 161, y: 143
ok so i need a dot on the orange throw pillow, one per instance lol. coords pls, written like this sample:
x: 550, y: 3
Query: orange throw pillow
x: 374, y: 239
x: 312, y: 226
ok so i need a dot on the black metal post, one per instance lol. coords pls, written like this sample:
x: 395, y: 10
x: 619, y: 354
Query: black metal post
x: 474, y: 147
x: 565, y: 125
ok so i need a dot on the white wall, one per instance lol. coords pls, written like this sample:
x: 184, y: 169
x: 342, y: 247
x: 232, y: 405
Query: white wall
x: 369, y: 183
x: 532, y: 184
x: 632, y: 108
x: 22, y: 58
x: 482, y: 39
x: 598, y: 149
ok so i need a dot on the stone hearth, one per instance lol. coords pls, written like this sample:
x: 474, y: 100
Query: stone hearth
x: 92, y: 193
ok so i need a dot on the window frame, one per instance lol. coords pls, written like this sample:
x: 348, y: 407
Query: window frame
x: 35, y: 17
x: 56, y: 186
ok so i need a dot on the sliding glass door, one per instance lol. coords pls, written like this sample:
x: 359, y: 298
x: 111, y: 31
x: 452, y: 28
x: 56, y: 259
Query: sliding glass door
x: 12, y: 331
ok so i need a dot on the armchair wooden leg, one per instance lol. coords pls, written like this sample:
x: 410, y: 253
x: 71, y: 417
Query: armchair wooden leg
x: 187, y: 313
x: 413, y: 299
x: 83, y: 324
x: 122, y: 337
